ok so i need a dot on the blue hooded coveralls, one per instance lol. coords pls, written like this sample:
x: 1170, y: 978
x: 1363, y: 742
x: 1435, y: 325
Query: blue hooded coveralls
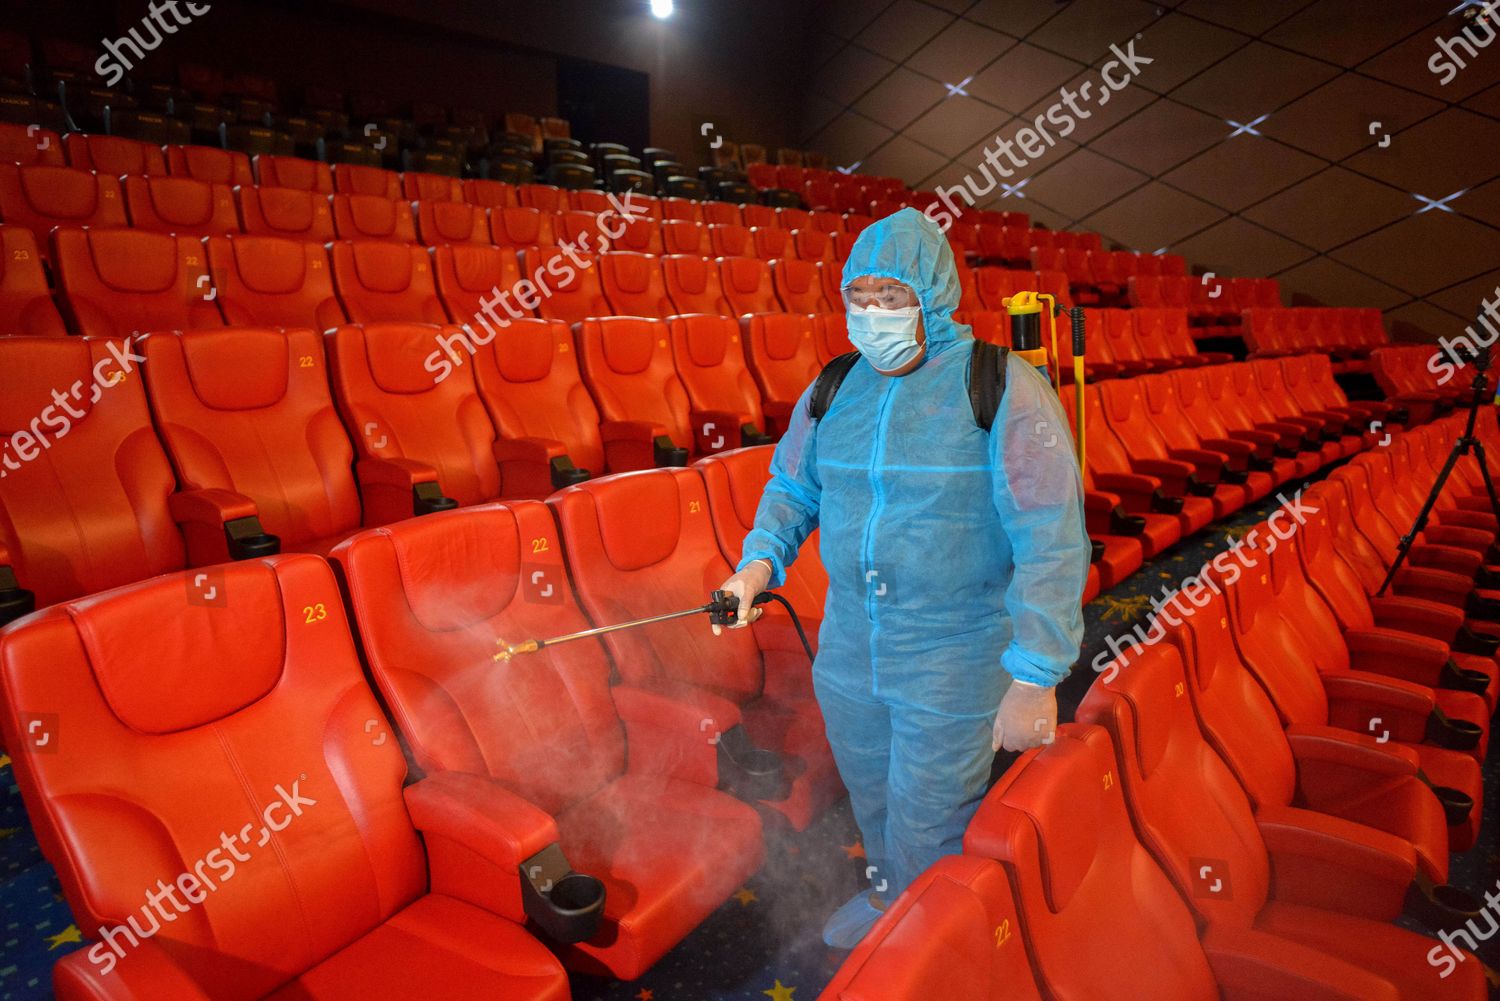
x: 956, y: 561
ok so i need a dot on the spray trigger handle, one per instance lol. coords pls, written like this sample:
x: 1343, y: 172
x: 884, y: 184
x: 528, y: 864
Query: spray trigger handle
x: 723, y: 607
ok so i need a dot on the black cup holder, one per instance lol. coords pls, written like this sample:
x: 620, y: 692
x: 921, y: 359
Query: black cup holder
x: 667, y: 454
x: 565, y: 474
x: 1199, y: 488
x: 1481, y: 607
x: 1096, y: 550
x: 1463, y: 679
x: 15, y: 602
x: 1162, y: 504
x: 1441, y: 905
x: 1261, y: 463
x: 751, y: 435
x: 1234, y: 477
x: 427, y: 498
x: 1487, y: 578
x: 748, y: 772
x: 566, y: 906
x: 248, y: 541
x: 1123, y: 523
x: 1457, y: 804
x: 1468, y: 640
x: 1453, y: 734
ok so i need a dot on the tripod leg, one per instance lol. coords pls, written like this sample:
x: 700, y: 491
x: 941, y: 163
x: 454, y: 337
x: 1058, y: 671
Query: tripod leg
x: 1459, y: 448
x: 1484, y: 471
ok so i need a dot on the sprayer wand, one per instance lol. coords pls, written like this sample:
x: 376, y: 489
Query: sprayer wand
x: 722, y: 609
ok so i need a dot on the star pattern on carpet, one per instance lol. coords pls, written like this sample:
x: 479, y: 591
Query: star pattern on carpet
x: 68, y: 936
x: 779, y: 992
x: 854, y: 851
x: 745, y: 896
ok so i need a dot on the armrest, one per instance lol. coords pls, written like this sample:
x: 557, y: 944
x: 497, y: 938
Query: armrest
x: 1458, y: 537
x: 1164, y: 469
x: 630, y: 444
x: 1251, y: 964
x: 1388, y: 708
x: 210, y: 507
x: 1229, y: 446
x: 1333, y: 765
x: 673, y: 729
x: 1463, y: 562
x: 219, y: 526
x: 1263, y: 438
x: 1135, y: 491
x: 477, y: 836
x: 1412, y: 658
x: 387, y: 487
x: 540, y: 450
x: 1418, y: 616
x: 146, y: 973
x: 717, y: 430
x: 1437, y: 585
x: 1479, y: 519
x: 1324, y: 861
x: 1207, y: 464
x: 534, y: 467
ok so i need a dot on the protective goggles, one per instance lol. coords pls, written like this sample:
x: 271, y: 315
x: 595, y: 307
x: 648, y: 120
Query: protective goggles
x: 885, y: 293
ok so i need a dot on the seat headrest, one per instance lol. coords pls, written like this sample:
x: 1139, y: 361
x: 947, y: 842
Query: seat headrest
x: 708, y: 338
x: 132, y: 260
x: 205, y: 665
x: 1062, y: 793
x: 629, y: 343
x: 396, y: 353
x: 480, y: 269
x: 481, y: 545
x: 62, y: 192
x: 269, y: 265
x: 524, y: 351
x: 783, y: 333
x: 244, y: 368
x: 631, y: 271
x: 382, y: 267
x: 628, y: 543
x: 31, y: 368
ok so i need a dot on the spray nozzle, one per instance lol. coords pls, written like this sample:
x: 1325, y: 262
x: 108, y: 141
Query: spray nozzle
x: 723, y: 607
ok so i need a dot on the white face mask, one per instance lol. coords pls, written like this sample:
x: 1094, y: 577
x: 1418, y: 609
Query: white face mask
x: 887, y: 338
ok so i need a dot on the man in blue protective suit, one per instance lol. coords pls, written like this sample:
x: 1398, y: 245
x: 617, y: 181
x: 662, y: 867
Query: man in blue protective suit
x: 956, y: 560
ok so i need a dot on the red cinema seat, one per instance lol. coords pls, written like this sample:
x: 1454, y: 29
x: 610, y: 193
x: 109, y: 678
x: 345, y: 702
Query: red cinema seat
x: 1259, y: 448
x: 682, y: 236
x: 421, y: 434
x: 968, y: 288
x: 799, y: 286
x: 289, y: 212
x: 522, y: 227
x: 832, y: 336
x: 826, y: 222
x: 470, y: 276
x: 420, y: 187
x: 181, y: 205
x: 1057, y: 821
x: 993, y: 328
x: 374, y: 182
x: 831, y: 277
x: 567, y: 285
x: 812, y: 245
x: 210, y: 165
x: 724, y: 401
x: 441, y: 222
x: 605, y: 765
x: 633, y: 285
x: 1158, y: 342
x: 1223, y: 395
x: 547, y: 424
x: 643, y: 236
x: 30, y: 146
x: 1226, y: 462
x: 119, y: 282
x: 681, y: 210
x: 114, y: 156
x: 819, y: 193
x: 43, y: 198
x: 589, y: 200
x: 544, y: 197
x: 264, y: 281
x: 1114, y: 332
x: 759, y: 216
x: 256, y: 713
x: 1194, y: 476
x: 644, y: 541
x: 770, y: 244
x: 722, y: 214
x: 781, y: 349
x: 379, y: 282
x: 731, y: 241
x: 693, y: 285
x: 747, y: 285
x: 1235, y: 389
x: 587, y: 231
x: 293, y: 172
x: 490, y: 194
x: 247, y: 418
x: 792, y: 220
x: 25, y: 301
x: 647, y: 418
x: 1339, y: 439
x: 954, y: 933
x: 87, y: 510
x: 370, y: 217
x: 1317, y: 891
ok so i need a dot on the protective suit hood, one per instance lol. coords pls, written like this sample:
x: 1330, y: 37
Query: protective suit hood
x: 910, y: 248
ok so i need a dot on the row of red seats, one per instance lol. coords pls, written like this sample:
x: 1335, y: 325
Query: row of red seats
x: 1121, y: 342
x: 1427, y: 378
x: 1209, y: 300
x: 547, y: 764
x: 247, y: 439
x: 1349, y: 334
x: 1225, y: 855
x: 119, y: 282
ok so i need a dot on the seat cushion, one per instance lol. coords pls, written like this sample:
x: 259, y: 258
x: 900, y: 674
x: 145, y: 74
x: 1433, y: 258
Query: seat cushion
x: 669, y: 852
x: 436, y: 948
x: 1394, y: 953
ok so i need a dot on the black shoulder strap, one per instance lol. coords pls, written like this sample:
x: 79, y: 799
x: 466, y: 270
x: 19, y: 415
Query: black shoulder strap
x: 987, y: 381
x: 827, y: 385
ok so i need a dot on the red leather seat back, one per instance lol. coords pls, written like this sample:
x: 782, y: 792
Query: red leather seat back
x: 1151, y: 333
x: 627, y: 365
x: 1326, y: 568
x: 812, y: 244
x: 385, y: 282
x: 731, y: 240
x: 1192, y: 393
x: 799, y: 287
x: 490, y: 194
x: 771, y: 243
x: 1058, y: 821
x: 293, y: 172
x: 371, y: 217
x: 248, y: 410
x: 1107, y: 451
x: 265, y: 281
x: 529, y: 381
x: 1164, y: 411
x: 581, y: 230
x: 396, y: 409
x: 247, y: 714
x: 722, y: 214
x: 711, y: 365
x: 1224, y: 396
x: 626, y: 565
x: 215, y: 166
x: 25, y: 301
x: 747, y: 285
x: 353, y: 179
x: 1353, y: 544
x: 114, y: 156
x: 434, y: 598
x: 685, y: 236
x: 1127, y: 414
x: 1055, y: 284
x: 643, y: 236
x: 290, y: 212
x: 1117, y: 332
x: 633, y: 285
x: 521, y: 227
x: 782, y: 355
x: 693, y: 285
x: 87, y: 511
x: 573, y: 292
x: 468, y: 274
x: 953, y: 934
x: 546, y: 197
x: 116, y: 282
x: 419, y: 187
x: 442, y: 222
x: 181, y: 205
x: 28, y: 146
x: 1273, y: 388
x: 832, y: 336
x: 41, y: 198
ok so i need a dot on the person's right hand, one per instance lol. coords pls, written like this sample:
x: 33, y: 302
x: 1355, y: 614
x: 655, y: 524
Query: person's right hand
x: 745, y: 585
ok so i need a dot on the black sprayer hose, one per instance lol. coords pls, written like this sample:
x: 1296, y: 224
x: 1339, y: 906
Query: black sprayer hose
x: 796, y: 622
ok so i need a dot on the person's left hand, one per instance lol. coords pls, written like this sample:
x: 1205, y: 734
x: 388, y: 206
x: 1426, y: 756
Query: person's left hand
x: 1027, y: 717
